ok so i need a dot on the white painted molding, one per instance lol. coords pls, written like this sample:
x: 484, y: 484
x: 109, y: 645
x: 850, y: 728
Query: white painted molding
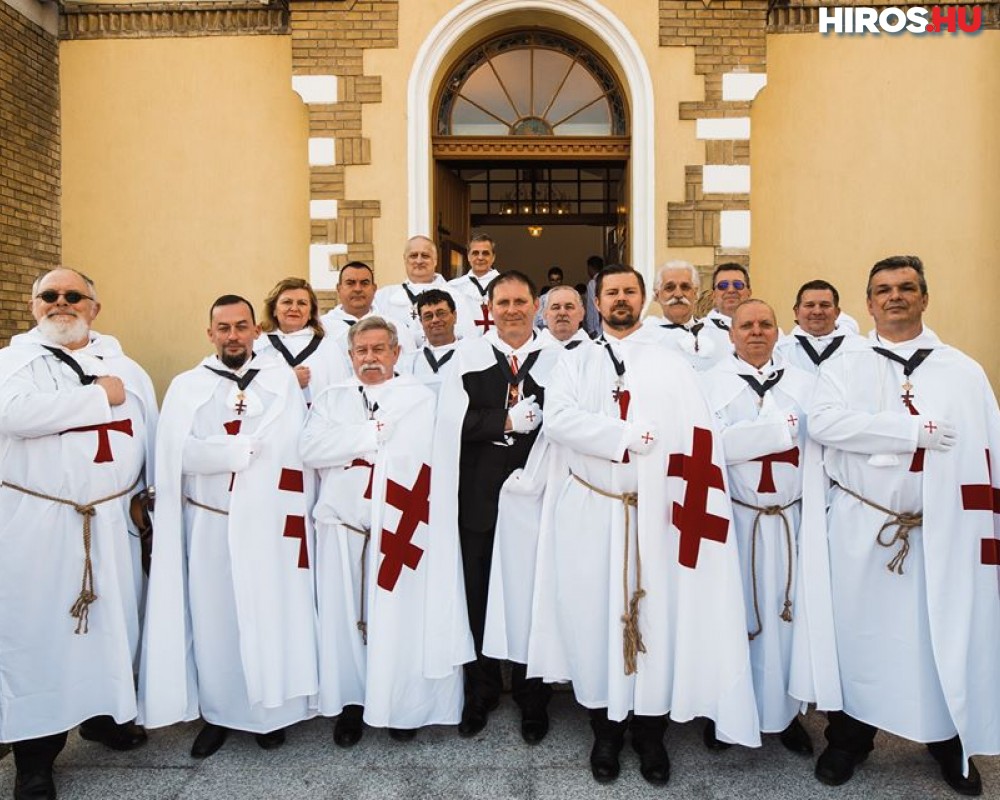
x: 316, y: 89
x: 725, y: 179
x: 638, y: 84
x: 735, y: 230
x: 742, y: 85
x: 321, y: 274
x: 322, y: 209
x: 44, y: 15
x: 723, y: 128
x: 322, y: 152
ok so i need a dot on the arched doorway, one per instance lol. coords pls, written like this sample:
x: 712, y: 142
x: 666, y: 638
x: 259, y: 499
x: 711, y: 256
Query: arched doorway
x: 541, y: 150
x: 531, y: 137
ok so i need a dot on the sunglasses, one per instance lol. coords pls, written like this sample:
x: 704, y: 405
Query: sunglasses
x: 72, y: 297
x: 739, y: 286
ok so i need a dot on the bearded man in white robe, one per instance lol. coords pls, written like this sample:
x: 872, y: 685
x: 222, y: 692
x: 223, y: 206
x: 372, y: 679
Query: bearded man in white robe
x: 76, y: 421
x: 384, y: 657
x: 912, y: 435
x: 230, y: 617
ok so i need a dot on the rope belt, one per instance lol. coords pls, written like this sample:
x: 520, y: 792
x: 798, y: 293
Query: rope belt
x: 213, y: 509
x: 80, y: 610
x: 770, y: 511
x: 362, y: 623
x: 904, y: 521
x: 631, y: 637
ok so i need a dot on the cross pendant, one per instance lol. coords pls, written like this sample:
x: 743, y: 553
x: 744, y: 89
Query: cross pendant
x: 240, y: 406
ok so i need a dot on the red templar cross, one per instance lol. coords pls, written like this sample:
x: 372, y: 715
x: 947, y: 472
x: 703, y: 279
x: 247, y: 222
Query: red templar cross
x: 984, y: 497
x: 487, y: 321
x: 766, y: 483
x: 398, y: 548
x: 692, y: 519
x: 295, y: 524
x: 104, y: 453
x: 232, y: 428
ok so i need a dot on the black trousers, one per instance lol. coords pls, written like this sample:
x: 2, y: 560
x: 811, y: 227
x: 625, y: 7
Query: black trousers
x: 483, y: 678
x: 35, y: 755
x: 644, y: 729
x: 847, y: 733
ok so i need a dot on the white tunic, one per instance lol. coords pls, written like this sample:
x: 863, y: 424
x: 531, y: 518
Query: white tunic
x: 325, y: 365
x: 393, y: 303
x: 473, y: 288
x: 700, y: 342
x: 754, y: 429
x: 791, y: 350
x: 385, y: 669
x: 53, y: 678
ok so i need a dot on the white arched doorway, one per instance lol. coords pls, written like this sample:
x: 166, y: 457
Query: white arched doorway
x: 638, y: 85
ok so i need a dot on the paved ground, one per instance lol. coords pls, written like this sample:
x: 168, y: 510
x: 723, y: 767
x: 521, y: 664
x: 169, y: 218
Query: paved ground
x: 495, y: 764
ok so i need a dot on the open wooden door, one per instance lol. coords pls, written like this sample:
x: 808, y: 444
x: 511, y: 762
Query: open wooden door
x: 452, y: 220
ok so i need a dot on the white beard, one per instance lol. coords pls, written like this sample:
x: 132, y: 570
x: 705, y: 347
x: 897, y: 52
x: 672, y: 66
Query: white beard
x: 64, y: 333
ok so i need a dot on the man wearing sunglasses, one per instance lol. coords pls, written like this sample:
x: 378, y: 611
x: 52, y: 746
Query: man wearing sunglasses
x: 730, y: 287
x: 77, y: 419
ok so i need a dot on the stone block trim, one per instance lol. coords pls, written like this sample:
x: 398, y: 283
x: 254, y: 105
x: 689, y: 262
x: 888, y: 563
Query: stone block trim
x: 30, y: 175
x: 150, y: 20
x: 329, y: 37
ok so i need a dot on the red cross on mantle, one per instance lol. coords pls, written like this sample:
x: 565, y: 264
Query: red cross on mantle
x: 692, y: 518
x: 291, y: 480
x: 766, y: 483
x: 647, y: 437
x: 397, y: 547
x: 623, y: 397
x: 104, y: 453
x: 232, y: 428
x: 792, y: 419
x: 930, y: 426
x: 984, y: 497
x: 487, y: 321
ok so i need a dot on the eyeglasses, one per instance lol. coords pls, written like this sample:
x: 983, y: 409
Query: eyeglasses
x: 739, y: 286
x: 72, y: 297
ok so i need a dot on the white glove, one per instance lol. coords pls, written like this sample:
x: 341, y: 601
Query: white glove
x: 642, y: 437
x: 525, y: 415
x: 383, y: 430
x: 936, y: 434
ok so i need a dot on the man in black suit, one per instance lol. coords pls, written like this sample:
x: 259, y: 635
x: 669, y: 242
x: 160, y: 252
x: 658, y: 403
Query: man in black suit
x: 500, y: 426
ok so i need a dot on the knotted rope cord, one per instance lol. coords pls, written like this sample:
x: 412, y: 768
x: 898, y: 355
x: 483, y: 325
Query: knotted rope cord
x: 905, y: 521
x: 632, y: 643
x: 362, y: 623
x: 80, y: 610
x: 213, y: 509
x: 769, y: 511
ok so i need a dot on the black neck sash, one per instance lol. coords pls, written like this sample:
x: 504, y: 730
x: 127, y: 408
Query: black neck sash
x: 434, y: 363
x: 694, y: 330
x: 572, y: 345
x: 413, y: 297
x: 478, y: 285
x: 242, y: 383
x: 370, y: 407
x: 815, y: 357
x: 294, y: 361
x: 350, y: 322
x: 909, y: 364
x: 762, y: 388
x: 73, y: 364
x: 719, y: 323
x: 522, y: 370
x: 618, y: 365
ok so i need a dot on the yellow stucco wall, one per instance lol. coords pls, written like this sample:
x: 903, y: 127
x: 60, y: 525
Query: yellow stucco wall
x: 865, y: 147
x: 185, y: 176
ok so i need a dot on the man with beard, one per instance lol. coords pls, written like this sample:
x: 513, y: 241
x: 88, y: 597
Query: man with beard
x: 231, y: 602
x: 564, y: 315
x: 76, y: 420
x: 482, y: 255
x: 678, y: 284
x: 382, y: 654
x: 398, y: 303
x: 635, y: 563
x: 817, y: 334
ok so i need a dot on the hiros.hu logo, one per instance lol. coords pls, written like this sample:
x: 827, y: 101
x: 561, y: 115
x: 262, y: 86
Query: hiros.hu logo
x: 936, y: 19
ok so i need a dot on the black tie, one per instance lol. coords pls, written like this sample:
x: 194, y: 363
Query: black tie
x: 815, y: 357
x: 72, y: 363
x: 762, y: 388
x: 242, y: 383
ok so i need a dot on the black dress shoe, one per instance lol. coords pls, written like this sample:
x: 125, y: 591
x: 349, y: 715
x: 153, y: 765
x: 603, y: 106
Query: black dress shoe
x: 36, y: 785
x: 604, y: 764
x: 272, y: 740
x: 349, y: 727
x: 654, y: 763
x: 951, y: 771
x: 474, y: 717
x: 105, y: 730
x: 796, y: 739
x: 402, y: 734
x: 209, y: 739
x: 534, y: 726
x: 708, y: 737
x: 835, y: 766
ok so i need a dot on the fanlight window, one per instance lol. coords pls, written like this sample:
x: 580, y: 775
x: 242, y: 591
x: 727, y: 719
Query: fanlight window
x: 531, y: 83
